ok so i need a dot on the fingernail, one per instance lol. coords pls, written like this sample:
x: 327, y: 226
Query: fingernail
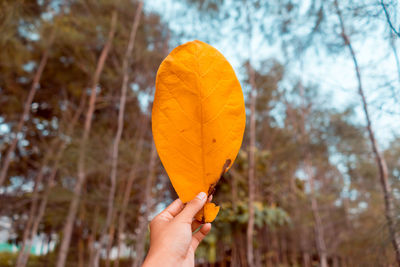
x: 202, y: 196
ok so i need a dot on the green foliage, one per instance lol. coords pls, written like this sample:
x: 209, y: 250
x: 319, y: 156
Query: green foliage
x: 270, y: 216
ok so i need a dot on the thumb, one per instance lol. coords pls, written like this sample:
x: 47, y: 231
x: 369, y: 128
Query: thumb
x: 192, y: 208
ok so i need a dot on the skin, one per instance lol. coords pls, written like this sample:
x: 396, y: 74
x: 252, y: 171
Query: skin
x: 172, y: 241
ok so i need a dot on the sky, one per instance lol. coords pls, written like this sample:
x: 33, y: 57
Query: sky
x: 332, y: 72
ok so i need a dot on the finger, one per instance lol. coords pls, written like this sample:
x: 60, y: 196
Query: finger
x: 199, y: 236
x: 173, y: 209
x: 195, y: 224
x: 192, y: 208
x: 210, y: 197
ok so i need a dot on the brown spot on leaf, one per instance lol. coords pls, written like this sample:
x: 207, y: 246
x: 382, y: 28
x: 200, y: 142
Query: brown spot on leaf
x: 211, y: 189
x: 214, y: 140
x: 226, y: 165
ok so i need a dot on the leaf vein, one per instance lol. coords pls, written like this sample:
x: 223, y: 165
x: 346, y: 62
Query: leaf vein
x: 213, y: 89
x: 179, y: 133
x: 221, y: 110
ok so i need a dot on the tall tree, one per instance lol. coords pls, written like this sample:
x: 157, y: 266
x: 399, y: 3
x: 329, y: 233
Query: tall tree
x: 128, y: 187
x: 114, y: 157
x: 27, y: 108
x: 318, y: 225
x: 73, y: 208
x: 27, y: 238
x: 251, y: 178
x: 380, y: 160
x: 37, y: 212
x: 252, y: 143
x: 144, y: 218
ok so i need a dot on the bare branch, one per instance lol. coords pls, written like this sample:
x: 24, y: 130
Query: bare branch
x: 389, y: 21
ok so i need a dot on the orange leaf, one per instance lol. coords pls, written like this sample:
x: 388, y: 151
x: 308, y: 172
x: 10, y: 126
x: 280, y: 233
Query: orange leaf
x: 207, y: 213
x: 198, y: 117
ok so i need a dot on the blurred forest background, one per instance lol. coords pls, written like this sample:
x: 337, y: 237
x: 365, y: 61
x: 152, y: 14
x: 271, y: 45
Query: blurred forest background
x: 316, y: 183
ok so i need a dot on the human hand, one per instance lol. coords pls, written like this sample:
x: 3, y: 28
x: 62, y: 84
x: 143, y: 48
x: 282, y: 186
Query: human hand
x: 172, y: 242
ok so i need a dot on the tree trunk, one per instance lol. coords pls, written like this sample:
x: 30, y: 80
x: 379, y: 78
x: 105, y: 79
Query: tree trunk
x: 24, y: 251
x: 380, y: 160
x: 283, y: 249
x: 335, y: 261
x: 111, y: 233
x: 143, y: 221
x: 304, y: 243
x: 40, y: 214
x: 27, y: 108
x: 251, y: 152
x: 128, y: 189
x: 73, y: 208
x: 32, y: 228
x: 93, y: 233
x: 114, y: 158
x: 241, y: 247
x: 81, y: 253
x: 318, y: 228
x: 306, y: 259
x: 81, y: 248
